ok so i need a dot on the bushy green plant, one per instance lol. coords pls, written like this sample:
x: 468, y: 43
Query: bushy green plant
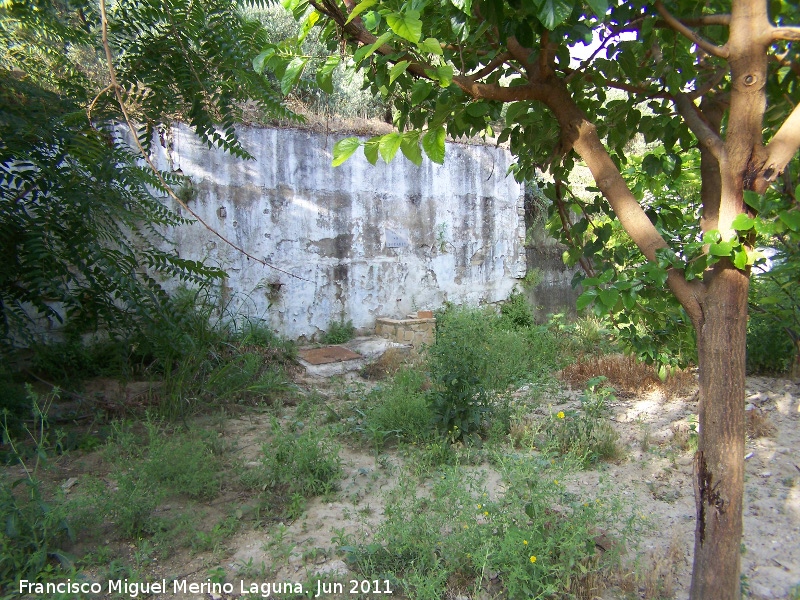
x: 474, y: 357
x: 455, y: 532
x: 339, y: 332
x: 33, y: 525
x: 770, y: 348
x: 305, y: 463
x: 585, y: 435
x: 516, y: 312
x: 400, y: 408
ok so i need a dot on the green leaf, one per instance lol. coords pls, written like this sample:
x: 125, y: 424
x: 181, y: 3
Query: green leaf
x: 420, y: 92
x: 407, y: 25
x: 389, y: 145
x: 410, y: 147
x: 292, y: 74
x: 609, y: 297
x: 372, y: 19
x: 464, y: 6
x: 600, y: 7
x: 430, y: 46
x: 359, y: 8
x: 651, y: 165
x: 442, y: 73
x: 515, y: 110
x: 325, y: 74
x: 586, y: 298
x: 720, y: 249
x: 311, y: 20
x: 554, y: 12
x: 791, y: 218
x: 343, y: 149
x: 740, y: 258
x: 371, y: 149
x: 742, y: 222
x: 367, y: 51
x: 261, y: 59
x: 398, y: 70
x: 477, y: 109
x: 433, y: 144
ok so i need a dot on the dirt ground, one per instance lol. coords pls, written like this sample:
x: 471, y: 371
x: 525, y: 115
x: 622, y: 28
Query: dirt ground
x: 655, y: 474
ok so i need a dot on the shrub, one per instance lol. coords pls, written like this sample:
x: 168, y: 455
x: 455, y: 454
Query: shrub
x: 32, y: 525
x: 516, y: 312
x: 401, y: 408
x: 474, y: 357
x: 539, y: 539
x: 586, y: 434
x: 339, y: 332
x: 769, y: 348
x: 303, y: 463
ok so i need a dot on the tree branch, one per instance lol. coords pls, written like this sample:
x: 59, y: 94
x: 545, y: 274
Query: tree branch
x: 707, y: 137
x: 690, y: 34
x: 708, y: 20
x: 790, y: 34
x: 780, y: 150
x: 498, y: 60
x: 120, y: 100
x: 709, y: 85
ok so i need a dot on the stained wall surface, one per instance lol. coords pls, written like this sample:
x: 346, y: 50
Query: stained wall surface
x: 352, y: 242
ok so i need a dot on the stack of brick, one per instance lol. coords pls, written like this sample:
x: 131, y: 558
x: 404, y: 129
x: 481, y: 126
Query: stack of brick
x: 416, y: 330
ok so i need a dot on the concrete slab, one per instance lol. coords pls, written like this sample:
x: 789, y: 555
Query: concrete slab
x: 327, y: 354
x: 366, y: 349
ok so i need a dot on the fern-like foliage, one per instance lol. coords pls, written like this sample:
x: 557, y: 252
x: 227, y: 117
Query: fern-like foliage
x: 78, y: 218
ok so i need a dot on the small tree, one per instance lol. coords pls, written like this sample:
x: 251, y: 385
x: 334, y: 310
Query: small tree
x: 78, y: 218
x: 713, y: 76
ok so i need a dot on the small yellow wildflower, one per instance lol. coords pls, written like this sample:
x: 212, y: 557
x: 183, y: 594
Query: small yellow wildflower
x: 466, y: 526
x: 555, y: 481
x: 533, y: 559
x: 480, y: 506
x: 525, y: 542
x: 560, y: 414
x: 486, y: 513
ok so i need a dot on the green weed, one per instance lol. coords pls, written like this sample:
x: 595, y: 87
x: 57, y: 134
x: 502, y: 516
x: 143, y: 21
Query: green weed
x: 399, y: 409
x: 538, y: 539
x: 585, y: 435
x: 34, y: 522
x: 339, y: 332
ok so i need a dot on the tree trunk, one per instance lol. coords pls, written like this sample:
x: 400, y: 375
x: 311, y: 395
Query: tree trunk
x: 719, y: 462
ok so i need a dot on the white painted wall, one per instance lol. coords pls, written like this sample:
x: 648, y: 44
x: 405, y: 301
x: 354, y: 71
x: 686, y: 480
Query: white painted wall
x: 463, y: 222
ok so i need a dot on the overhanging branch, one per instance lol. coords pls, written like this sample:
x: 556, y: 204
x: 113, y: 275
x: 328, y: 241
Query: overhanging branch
x: 690, y: 34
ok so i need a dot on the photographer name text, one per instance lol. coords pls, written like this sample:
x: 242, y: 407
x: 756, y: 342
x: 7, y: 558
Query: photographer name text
x: 266, y: 589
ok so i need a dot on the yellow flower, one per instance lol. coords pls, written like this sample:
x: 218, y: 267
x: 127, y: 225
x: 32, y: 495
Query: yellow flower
x: 486, y: 513
x: 533, y: 559
x: 560, y: 414
x: 480, y: 506
x: 555, y: 481
x: 525, y: 542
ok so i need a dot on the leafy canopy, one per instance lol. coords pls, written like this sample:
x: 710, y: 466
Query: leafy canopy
x: 552, y: 76
x: 79, y: 214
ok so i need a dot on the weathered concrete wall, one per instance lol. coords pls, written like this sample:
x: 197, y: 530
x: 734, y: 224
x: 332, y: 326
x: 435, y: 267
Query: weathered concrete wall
x: 363, y: 241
